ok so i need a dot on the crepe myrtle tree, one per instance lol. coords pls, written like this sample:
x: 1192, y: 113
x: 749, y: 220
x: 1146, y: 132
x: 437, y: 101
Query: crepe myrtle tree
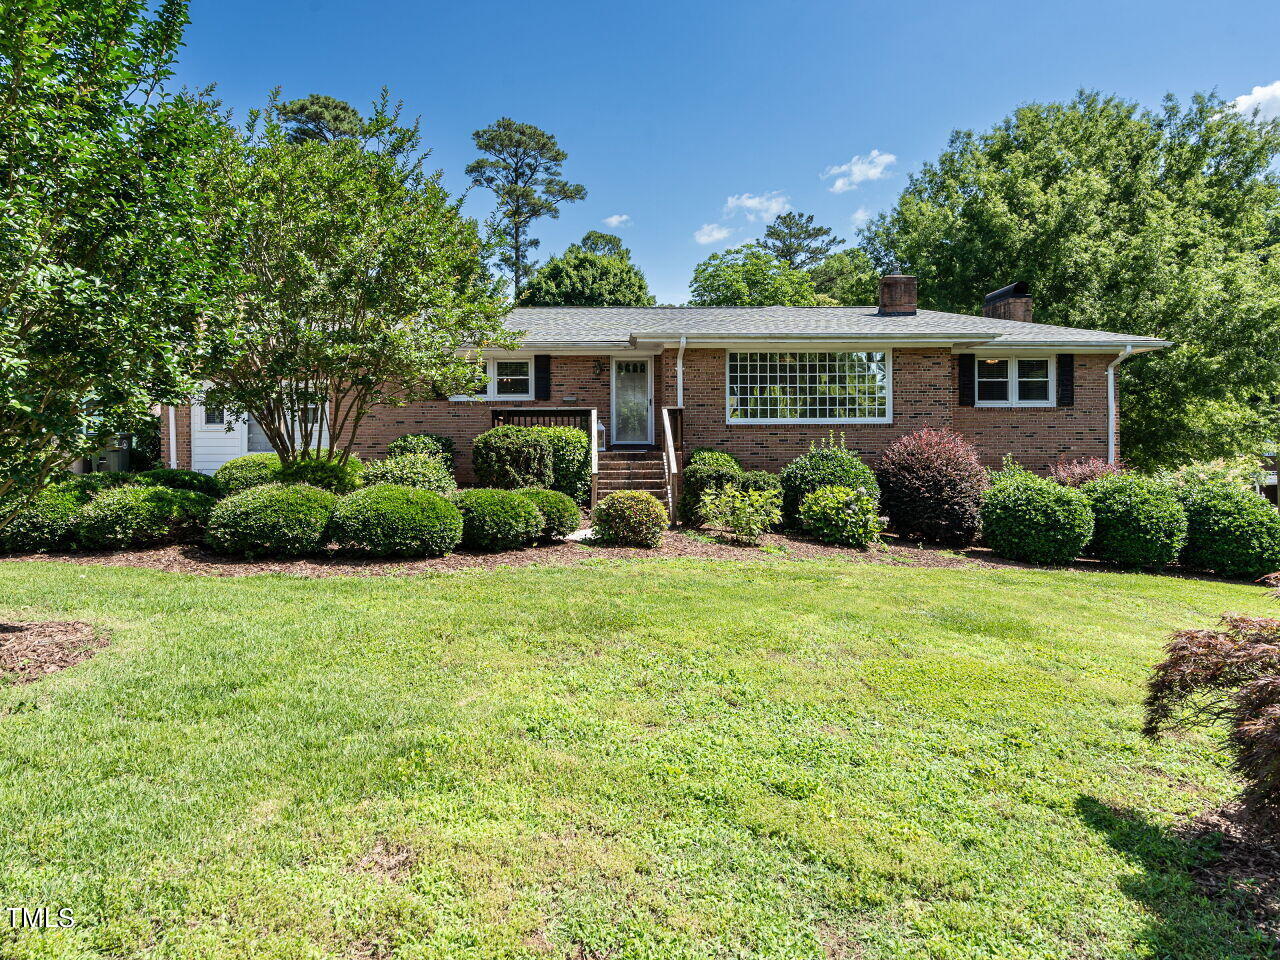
x: 361, y: 282
x: 103, y: 265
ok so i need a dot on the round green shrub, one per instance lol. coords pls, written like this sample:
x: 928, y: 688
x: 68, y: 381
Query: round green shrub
x: 1137, y: 521
x: 826, y: 466
x: 325, y: 472
x: 1035, y: 520
x: 570, y: 461
x: 45, y: 522
x: 434, y: 444
x: 91, y: 484
x: 630, y: 518
x: 697, y: 479
x: 849, y: 517
x: 931, y: 486
x: 1230, y: 530
x: 710, y: 456
x: 179, y: 480
x: 251, y: 470
x: 389, y: 520
x: 426, y: 471
x: 761, y: 480
x: 495, y: 520
x: 560, y: 515
x: 126, y: 517
x: 271, y: 520
x: 511, y: 457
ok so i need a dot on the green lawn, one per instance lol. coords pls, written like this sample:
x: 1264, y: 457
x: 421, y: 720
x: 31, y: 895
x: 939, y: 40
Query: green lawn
x: 656, y: 759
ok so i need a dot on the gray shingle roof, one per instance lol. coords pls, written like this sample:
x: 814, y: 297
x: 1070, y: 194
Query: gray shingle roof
x: 621, y: 325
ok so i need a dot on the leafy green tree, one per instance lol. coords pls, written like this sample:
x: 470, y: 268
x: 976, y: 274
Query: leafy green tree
x: 522, y: 168
x: 1157, y: 222
x: 103, y: 264
x: 593, y: 241
x: 797, y: 241
x: 361, y: 282
x: 848, y: 277
x: 322, y: 118
x: 749, y: 276
x: 582, y: 278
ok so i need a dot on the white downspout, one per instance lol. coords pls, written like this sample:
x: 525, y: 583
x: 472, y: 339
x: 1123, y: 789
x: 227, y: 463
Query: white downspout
x: 173, y: 439
x: 680, y: 374
x: 1111, y: 403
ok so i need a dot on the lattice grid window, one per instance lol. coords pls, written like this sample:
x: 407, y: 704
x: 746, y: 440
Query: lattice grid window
x: 812, y: 387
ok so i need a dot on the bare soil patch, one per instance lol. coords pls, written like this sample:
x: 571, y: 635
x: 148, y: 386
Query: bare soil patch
x: 387, y: 860
x: 1247, y: 862
x: 29, y: 651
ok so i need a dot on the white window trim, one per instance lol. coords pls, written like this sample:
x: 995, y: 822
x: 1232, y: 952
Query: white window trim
x: 490, y: 394
x: 741, y: 421
x: 1013, y: 400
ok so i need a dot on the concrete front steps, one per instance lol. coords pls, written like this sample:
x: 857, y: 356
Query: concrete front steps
x: 633, y: 470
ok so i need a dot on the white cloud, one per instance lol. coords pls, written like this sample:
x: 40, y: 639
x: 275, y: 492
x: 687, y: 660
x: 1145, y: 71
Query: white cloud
x: 711, y: 233
x: 1266, y: 99
x: 874, y: 166
x: 860, y: 217
x: 764, y: 206
x: 617, y: 220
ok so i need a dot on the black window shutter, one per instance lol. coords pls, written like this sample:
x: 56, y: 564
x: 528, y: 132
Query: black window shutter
x: 966, y: 380
x: 542, y: 376
x: 1066, y: 379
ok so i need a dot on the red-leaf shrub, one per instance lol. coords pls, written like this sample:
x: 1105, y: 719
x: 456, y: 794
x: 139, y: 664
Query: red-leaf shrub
x: 931, y: 485
x: 1230, y: 675
x: 1075, y: 473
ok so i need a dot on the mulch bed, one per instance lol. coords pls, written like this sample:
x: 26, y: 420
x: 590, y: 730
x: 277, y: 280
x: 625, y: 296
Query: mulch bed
x: 191, y: 558
x: 29, y: 651
x: 1247, y: 862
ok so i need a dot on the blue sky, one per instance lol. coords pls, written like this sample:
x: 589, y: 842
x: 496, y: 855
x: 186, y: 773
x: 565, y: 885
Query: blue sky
x: 698, y: 120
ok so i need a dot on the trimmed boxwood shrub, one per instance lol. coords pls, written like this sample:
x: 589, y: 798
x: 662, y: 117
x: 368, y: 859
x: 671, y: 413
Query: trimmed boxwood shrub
x: 1230, y: 530
x: 560, y: 515
x: 761, y: 480
x: 426, y: 471
x: 1137, y: 521
x: 931, y: 486
x: 1035, y: 520
x: 630, y: 518
x: 846, y: 516
x: 434, y: 444
x: 389, y: 520
x: 327, y: 473
x: 697, y: 479
x: 494, y: 520
x: 831, y: 465
x: 126, y: 517
x: 91, y: 484
x: 179, y: 480
x: 511, y: 457
x: 570, y: 460
x: 272, y: 520
x: 45, y: 522
x: 251, y: 470
x: 713, y: 457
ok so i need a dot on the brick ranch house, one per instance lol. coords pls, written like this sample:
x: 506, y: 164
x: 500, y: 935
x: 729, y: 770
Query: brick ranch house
x: 762, y: 383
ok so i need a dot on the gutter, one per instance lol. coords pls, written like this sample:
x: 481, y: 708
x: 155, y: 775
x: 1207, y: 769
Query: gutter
x: 173, y: 439
x: 680, y: 374
x: 1111, y: 401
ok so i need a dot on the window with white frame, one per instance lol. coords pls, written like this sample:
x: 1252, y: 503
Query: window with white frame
x: 1009, y: 381
x: 215, y: 417
x: 794, y: 387
x: 505, y: 379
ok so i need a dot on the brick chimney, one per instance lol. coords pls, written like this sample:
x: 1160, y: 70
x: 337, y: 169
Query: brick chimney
x: 1009, y: 303
x: 897, y: 295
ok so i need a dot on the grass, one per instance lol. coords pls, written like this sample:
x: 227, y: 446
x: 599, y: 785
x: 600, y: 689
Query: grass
x: 668, y: 759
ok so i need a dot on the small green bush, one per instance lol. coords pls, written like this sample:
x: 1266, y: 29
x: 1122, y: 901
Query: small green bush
x: 846, y: 516
x: 126, y: 517
x: 388, y: 520
x: 829, y: 465
x: 426, y: 471
x: 697, y: 479
x: 251, y: 470
x: 91, y: 484
x: 744, y: 515
x: 709, y: 456
x: 511, y: 457
x: 327, y: 472
x: 1230, y: 530
x: 761, y: 480
x: 434, y: 444
x: 45, y: 522
x: 495, y: 520
x: 560, y: 515
x: 1035, y: 520
x: 179, y: 480
x: 1137, y: 521
x: 272, y: 520
x: 570, y: 461
x: 630, y: 518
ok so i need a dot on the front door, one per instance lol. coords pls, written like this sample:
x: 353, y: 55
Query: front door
x: 632, y: 402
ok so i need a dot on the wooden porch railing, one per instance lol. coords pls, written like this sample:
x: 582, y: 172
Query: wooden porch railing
x: 584, y: 418
x: 673, y: 454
